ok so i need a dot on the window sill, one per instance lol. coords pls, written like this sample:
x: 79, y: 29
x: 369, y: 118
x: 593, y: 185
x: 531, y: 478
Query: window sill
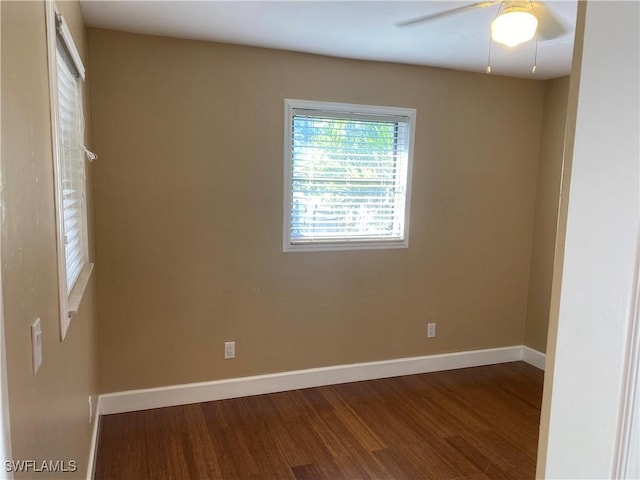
x: 319, y: 246
x: 77, y: 292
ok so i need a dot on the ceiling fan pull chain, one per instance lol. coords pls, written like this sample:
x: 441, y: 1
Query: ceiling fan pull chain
x: 488, y: 70
x: 535, y: 58
x: 535, y: 53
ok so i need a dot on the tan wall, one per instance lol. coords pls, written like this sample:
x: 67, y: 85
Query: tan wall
x: 48, y: 411
x: 188, y: 214
x: 546, y: 212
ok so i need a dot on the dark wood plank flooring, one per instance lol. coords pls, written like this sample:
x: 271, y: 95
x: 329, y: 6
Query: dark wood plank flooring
x: 473, y: 423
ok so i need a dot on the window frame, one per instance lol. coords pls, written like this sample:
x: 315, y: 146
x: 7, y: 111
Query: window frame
x: 290, y: 105
x: 69, y: 299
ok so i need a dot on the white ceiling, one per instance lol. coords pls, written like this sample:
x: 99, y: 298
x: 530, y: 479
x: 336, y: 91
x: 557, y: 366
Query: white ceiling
x: 351, y: 29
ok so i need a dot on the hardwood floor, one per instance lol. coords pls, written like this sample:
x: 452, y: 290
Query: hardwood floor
x: 474, y: 423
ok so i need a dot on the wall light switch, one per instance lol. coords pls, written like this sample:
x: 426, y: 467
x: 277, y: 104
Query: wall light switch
x: 36, y: 345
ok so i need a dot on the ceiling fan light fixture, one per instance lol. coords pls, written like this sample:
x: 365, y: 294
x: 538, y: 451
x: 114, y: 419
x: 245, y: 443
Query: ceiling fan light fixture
x: 514, y: 26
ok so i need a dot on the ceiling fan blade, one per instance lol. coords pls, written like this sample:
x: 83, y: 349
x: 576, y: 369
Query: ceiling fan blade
x: 446, y: 13
x: 550, y: 25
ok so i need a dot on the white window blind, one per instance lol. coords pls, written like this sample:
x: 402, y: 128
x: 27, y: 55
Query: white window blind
x: 71, y: 153
x: 348, y: 175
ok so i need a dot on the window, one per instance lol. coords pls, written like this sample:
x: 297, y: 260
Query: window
x: 66, y: 74
x: 347, y: 176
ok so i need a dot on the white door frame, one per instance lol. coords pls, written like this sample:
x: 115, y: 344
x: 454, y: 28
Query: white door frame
x: 5, y: 432
x: 627, y: 462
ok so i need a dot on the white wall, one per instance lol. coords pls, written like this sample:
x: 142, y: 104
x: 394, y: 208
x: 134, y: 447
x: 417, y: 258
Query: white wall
x: 600, y: 250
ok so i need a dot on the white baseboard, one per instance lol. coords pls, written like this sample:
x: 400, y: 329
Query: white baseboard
x: 534, y: 357
x: 94, y: 442
x: 172, y: 395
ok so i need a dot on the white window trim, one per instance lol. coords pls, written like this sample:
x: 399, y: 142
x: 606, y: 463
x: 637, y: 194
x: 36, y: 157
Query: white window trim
x: 69, y: 301
x: 319, y: 246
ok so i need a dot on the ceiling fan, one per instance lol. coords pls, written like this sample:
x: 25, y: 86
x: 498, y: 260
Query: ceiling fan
x: 516, y: 22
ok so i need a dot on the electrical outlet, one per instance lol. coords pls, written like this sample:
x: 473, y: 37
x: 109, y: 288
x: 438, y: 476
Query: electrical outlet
x: 229, y: 350
x: 431, y: 330
x: 36, y: 345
